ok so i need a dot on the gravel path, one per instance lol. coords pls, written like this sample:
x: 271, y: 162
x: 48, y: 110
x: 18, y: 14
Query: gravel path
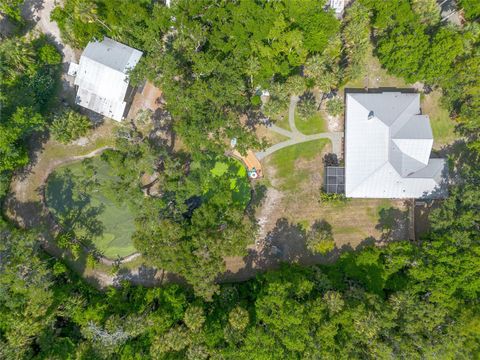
x: 296, y: 137
x: 39, y: 11
x: 291, y: 114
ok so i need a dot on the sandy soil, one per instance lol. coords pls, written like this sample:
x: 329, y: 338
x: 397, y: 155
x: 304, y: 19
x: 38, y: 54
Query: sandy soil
x: 39, y: 12
x: 147, y: 99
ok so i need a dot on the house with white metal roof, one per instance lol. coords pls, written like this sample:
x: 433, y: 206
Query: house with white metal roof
x: 102, y: 77
x: 387, y: 148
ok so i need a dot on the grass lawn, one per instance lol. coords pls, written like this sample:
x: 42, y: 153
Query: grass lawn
x: 312, y: 125
x: 443, y: 127
x: 271, y: 136
x: 282, y: 120
x: 117, y: 221
x: 287, y: 162
x: 54, y: 151
x: 352, y: 223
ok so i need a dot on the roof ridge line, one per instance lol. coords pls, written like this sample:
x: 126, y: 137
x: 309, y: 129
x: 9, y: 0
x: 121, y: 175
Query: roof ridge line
x: 403, y: 112
x: 98, y: 62
x: 405, y: 138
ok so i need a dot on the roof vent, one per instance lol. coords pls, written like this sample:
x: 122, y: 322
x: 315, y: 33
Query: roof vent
x: 371, y: 115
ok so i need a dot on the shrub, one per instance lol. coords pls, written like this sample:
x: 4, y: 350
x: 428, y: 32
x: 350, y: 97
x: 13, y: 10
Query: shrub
x: 13, y: 9
x: 320, y: 238
x: 335, y: 199
x: 255, y: 100
x: 307, y: 106
x: 335, y: 106
x: 274, y: 107
x: 49, y: 55
x: 295, y: 85
x: 69, y: 126
x: 238, y: 318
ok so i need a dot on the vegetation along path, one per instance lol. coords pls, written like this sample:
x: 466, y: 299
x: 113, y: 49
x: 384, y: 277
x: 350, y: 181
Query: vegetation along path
x: 40, y: 12
x: 296, y: 137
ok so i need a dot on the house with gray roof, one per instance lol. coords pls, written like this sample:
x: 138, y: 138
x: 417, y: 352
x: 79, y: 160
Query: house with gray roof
x: 387, y: 148
x: 102, y: 77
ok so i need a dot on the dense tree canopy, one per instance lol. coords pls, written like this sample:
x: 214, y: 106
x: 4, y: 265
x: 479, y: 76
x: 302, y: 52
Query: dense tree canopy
x: 400, y: 301
x: 443, y: 56
x: 208, y: 57
x: 411, y: 48
x: 28, y: 74
x: 408, y: 300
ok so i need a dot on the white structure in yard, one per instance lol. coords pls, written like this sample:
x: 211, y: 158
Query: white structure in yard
x: 102, y: 77
x: 337, y: 6
x: 387, y: 148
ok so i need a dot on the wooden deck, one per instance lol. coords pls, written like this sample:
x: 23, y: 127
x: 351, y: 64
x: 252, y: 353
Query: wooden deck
x: 148, y: 98
x: 250, y: 160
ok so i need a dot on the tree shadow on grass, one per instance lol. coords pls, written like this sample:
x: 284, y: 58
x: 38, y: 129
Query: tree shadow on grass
x: 72, y: 207
x: 322, y: 225
x: 286, y: 243
x: 148, y: 276
x: 24, y: 214
x: 392, y: 223
x: 258, y: 194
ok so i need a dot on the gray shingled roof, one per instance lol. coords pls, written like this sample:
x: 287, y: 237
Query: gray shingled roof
x: 387, y: 148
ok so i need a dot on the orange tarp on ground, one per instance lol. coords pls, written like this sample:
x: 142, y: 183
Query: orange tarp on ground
x: 250, y: 161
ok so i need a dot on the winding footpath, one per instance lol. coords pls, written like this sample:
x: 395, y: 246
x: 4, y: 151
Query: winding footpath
x: 296, y: 137
x: 26, y: 205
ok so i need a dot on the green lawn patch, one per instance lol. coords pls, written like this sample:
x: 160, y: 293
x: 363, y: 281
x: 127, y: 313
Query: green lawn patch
x: 348, y: 230
x: 443, y: 127
x: 373, y: 213
x: 106, y: 223
x: 285, y: 161
x: 281, y: 120
x: 312, y: 125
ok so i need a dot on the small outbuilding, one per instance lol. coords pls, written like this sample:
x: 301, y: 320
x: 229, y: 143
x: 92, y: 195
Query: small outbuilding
x: 338, y: 6
x: 102, y: 77
x: 387, y: 148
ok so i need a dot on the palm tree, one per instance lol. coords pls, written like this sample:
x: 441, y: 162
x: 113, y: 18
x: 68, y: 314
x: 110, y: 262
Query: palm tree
x: 86, y: 11
x: 16, y: 57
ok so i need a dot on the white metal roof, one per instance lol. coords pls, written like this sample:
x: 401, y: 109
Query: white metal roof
x: 387, y: 148
x: 102, y: 76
